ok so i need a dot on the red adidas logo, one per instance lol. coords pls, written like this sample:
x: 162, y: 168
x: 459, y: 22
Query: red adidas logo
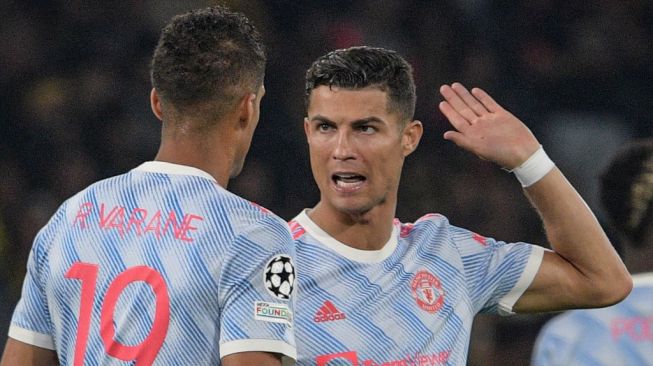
x: 328, y: 313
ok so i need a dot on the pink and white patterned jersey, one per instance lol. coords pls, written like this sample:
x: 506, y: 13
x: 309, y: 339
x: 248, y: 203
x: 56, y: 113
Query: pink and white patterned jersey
x: 159, y: 266
x: 410, y: 303
x: 621, y: 334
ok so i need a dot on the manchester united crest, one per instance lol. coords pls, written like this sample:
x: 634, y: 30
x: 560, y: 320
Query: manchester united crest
x: 427, y: 291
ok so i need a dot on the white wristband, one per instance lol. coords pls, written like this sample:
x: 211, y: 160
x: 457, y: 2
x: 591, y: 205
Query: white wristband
x: 534, y: 168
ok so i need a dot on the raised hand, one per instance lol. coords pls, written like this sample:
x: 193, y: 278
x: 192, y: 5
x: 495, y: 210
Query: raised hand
x: 484, y: 128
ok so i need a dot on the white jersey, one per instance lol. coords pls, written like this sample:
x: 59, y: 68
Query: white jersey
x: 160, y: 266
x: 410, y: 303
x: 617, y: 335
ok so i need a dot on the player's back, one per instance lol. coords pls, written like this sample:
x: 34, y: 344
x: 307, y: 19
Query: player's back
x: 158, y: 264
x: 617, y: 335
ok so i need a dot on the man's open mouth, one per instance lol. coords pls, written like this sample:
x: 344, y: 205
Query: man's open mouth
x: 348, y: 180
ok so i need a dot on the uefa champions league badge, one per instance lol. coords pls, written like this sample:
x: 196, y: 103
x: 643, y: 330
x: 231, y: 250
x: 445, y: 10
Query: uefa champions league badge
x: 279, y: 277
x: 427, y: 291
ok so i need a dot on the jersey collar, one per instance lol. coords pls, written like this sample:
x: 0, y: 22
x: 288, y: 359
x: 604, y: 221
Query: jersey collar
x: 170, y: 168
x: 364, y: 256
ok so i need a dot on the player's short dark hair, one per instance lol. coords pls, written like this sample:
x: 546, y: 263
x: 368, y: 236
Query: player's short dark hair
x: 361, y: 67
x: 627, y: 190
x: 208, y: 57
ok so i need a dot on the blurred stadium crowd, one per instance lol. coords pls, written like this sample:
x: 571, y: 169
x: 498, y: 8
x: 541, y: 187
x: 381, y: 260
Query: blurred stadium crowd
x: 74, y: 107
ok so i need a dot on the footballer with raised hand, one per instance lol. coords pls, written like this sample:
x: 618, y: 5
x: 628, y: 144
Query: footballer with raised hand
x: 378, y: 291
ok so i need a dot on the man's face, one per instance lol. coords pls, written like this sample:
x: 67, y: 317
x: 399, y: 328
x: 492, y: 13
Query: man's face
x: 357, y: 147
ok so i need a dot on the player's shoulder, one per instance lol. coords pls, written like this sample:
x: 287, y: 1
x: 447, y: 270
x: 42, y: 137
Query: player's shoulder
x: 430, y: 221
x: 297, y: 230
x: 187, y: 186
x: 197, y: 188
x: 565, y: 328
x: 246, y: 210
x: 429, y: 218
x: 643, y: 280
x: 60, y: 219
x: 89, y: 191
x: 579, y: 321
x: 246, y: 216
x: 109, y: 186
x: 92, y: 191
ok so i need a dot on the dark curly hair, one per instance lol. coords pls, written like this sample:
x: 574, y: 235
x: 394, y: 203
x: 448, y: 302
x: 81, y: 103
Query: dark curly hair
x: 361, y: 67
x: 627, y: 190
x: 207, y: 58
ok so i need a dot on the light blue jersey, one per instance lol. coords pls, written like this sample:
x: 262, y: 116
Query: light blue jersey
x: 158, y: 266
x: 619, y: 335
x: 410, y: 303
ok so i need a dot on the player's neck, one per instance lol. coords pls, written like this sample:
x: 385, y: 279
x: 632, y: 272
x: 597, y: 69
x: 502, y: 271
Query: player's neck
x: 215, y: 157
x: 368, y: 231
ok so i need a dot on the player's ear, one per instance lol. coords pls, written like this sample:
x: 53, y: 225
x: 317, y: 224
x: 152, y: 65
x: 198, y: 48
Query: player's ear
x: 307, y: 127
x: 247, y: 110
x: 155, y: 103
x: 411, y: 136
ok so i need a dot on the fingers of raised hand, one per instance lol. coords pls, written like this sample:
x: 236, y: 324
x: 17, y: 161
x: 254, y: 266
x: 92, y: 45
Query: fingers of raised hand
x: 457, y: 121
x: 457, y: 138
x: 466, y: 104
x: 487, y: 100
x: 457, y: 103
x: 470, y: 100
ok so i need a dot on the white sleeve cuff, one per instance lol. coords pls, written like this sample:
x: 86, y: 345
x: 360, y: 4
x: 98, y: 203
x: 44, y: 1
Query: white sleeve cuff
x: 532, y: 266
x: 260, y: 345
x: 31, y: 337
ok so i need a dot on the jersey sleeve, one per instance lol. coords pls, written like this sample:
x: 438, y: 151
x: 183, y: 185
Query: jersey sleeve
x: 30, y: 322
x: 257, y: 292
x: 497, y: 273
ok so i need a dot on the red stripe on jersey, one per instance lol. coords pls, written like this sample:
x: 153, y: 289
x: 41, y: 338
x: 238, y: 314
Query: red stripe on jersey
x: 296, y: 229
x: 480, y: 239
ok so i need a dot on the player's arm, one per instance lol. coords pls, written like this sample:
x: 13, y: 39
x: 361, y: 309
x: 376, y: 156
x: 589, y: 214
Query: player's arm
x: 251, y: 358
x: 18, y: 353
x: 247, y: 330
x: 583, y: 270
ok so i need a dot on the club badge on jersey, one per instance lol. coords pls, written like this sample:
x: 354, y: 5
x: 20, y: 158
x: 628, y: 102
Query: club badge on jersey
x: 427, y: 291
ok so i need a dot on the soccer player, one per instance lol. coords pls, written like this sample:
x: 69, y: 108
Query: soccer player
x: 621, y: 334
x: 377, y: 291
x: 162, y: 265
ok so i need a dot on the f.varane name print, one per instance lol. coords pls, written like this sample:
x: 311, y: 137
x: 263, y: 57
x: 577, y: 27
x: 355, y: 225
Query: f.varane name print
x: 137, y: 221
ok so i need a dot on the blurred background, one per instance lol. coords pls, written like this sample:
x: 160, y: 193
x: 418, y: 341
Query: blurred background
x: 74, y: 108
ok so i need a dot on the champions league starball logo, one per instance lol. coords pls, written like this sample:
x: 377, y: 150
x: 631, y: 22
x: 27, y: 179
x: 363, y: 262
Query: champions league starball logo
x: 280, y: 277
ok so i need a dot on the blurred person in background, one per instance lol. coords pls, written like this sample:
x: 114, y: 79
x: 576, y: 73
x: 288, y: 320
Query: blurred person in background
x: 377, y: 291
x: 162, y: 264
x: 620, y: 334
